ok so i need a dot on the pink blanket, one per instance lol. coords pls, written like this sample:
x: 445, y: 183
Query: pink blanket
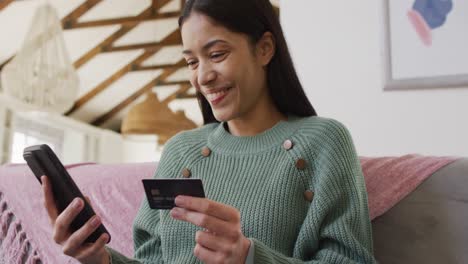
x: 116, y: 193
x: 390, y: 179
x: 114, y: 190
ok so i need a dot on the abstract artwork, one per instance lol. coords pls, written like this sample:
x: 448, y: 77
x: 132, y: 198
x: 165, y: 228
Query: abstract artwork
x: 425, y: 44
x: 428, y: 15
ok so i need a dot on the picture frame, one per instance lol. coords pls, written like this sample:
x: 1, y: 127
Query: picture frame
x: 420, y: 54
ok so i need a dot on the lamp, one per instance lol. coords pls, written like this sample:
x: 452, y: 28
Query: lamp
x: 41, y: 76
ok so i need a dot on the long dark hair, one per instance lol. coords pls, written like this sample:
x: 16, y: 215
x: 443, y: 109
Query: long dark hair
x: 254, y: 18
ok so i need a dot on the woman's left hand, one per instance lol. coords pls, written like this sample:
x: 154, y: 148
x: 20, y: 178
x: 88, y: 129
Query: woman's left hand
x: 223, y: 240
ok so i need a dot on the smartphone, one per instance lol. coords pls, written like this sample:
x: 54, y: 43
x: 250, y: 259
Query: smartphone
x: 43, y: 161
x: 161, y: 193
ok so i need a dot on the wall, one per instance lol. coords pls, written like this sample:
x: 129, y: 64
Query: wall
x: 141, y: 148
x: 336, y: 46
x: 3, y: 132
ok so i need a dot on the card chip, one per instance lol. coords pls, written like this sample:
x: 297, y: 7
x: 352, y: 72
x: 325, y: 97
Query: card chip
x: 155, y: 192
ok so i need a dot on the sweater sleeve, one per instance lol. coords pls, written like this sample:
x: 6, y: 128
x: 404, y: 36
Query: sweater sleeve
x: 147, y: 240
x: 337, y: 226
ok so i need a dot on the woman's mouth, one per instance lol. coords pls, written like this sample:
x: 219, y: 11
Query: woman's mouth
x: 216, y: 98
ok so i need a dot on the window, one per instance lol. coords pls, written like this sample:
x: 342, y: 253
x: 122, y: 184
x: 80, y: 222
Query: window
x: 26, y: 133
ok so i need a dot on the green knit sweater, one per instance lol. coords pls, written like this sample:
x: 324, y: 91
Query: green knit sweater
x: 271, y: 184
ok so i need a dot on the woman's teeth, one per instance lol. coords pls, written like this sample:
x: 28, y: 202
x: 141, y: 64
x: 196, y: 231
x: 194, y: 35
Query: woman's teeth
x: 214, y: 96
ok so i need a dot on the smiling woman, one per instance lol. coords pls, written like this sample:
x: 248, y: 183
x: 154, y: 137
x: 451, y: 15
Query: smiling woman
x: 282, y: 185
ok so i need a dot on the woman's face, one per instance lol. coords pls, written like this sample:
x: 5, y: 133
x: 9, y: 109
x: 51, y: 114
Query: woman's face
x: 225, y: 67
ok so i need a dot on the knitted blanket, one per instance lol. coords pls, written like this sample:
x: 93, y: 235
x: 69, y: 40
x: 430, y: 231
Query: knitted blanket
x: 115, y: 192
x: 390, y: 179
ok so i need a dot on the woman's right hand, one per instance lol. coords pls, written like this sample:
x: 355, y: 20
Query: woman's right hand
x: 73, y: 244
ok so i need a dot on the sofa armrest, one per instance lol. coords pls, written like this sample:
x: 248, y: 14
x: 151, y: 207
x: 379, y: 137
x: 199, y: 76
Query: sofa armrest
x: 429, y: 225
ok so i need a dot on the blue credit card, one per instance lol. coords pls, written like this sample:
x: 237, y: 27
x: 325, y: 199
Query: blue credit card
x: 161, y: 193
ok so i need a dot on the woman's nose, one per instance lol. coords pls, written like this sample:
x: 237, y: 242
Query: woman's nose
x: 206, y: 75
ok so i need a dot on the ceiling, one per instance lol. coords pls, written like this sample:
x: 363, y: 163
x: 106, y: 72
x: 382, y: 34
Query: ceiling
x: 121, y: 50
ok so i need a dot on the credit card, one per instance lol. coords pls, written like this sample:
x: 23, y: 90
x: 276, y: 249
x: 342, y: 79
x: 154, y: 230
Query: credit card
x: 161, y: 193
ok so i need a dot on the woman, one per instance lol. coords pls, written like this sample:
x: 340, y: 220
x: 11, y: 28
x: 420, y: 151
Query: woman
x: 282, y: 185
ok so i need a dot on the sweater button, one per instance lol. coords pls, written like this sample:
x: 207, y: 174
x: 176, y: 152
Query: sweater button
x: 287, y: 144
x: 301, y: 164
x: 206, y: 152
x: 309, y: 195
x: 186, y: 173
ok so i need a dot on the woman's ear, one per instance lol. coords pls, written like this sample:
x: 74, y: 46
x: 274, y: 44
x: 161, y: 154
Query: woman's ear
x: 266, y: 47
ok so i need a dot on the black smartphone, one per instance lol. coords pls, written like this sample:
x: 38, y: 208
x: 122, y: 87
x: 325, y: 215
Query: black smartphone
x: 161, y: 193
x: 43, y: 161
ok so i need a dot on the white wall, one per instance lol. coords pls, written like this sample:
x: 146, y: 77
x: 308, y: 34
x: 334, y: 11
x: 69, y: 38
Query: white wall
x: 3, y: 132
x: 141, y: 148
x: 336, y: 47
x: 110, y: 147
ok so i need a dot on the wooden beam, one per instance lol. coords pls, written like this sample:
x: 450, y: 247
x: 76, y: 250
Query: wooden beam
x: 114, y: 77
x: 5, y: 62
x: 96, y: 50
x: 148, y: 87
x: 106, y: 83
x: 158, y: 67
x: 146, y: 46
x: 5, y: 3
x: 107, y: 42
x: 124, y: 21
x: 182, y: 5
x: 79, y: 11
x: 168, y: 83
x: 116, y: 35
x: 174, y: 40
x: 158, y: 4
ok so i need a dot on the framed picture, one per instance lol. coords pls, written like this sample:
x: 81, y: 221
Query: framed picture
x: 425, y: 43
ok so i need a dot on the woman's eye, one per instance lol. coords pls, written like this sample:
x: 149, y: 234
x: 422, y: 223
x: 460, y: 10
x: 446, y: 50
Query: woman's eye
x: 217, y: 55
x: 191, y: 64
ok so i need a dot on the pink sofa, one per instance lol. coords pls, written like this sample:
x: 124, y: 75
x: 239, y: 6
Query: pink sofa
x: 116, y: 193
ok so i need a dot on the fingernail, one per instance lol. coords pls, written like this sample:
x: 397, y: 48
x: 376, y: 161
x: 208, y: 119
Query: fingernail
x: 76, y: 203
x: 176, y: 212
x: 96, y: 221
x: 180, y: 200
